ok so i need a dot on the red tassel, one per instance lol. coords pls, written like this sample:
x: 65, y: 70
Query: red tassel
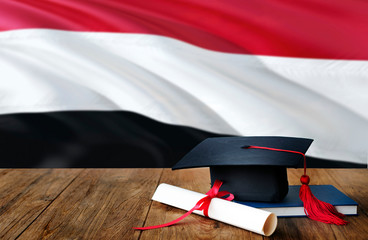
x: 313, y: 208
x: 316, y: 209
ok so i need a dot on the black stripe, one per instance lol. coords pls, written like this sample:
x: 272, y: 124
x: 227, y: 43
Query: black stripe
x: 101, y: 139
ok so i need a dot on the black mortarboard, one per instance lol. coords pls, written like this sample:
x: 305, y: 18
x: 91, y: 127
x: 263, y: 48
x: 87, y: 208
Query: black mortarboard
x: 250, y: 174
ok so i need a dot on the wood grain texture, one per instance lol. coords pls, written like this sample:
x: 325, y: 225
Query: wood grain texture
x: 107, y: 203
x: 99, y: 204
x: 355, y: 185
x: 24, y: 194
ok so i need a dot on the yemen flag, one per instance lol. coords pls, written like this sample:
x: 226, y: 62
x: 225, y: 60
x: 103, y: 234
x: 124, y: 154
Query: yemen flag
x: 138, y: 83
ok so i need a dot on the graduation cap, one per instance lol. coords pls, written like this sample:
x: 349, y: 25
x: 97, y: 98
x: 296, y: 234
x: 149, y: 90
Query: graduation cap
x: 254, y: 168
x: 251, y: 174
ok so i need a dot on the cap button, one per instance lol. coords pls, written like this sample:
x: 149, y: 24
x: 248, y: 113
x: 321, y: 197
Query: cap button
x: 304, y: 179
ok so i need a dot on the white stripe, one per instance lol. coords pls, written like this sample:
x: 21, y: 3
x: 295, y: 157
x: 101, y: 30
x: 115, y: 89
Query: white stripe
x: 175, y: 82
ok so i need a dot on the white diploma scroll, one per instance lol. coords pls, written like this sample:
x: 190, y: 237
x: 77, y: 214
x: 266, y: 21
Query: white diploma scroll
x: 249, y: 218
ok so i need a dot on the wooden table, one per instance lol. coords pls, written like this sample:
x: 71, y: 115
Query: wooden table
x: 107, y: 203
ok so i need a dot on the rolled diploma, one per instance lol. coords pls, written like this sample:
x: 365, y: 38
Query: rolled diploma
x: 242, y: 216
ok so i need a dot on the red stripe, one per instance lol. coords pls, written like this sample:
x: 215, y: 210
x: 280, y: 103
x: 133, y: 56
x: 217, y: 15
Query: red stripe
x: 333, y: 29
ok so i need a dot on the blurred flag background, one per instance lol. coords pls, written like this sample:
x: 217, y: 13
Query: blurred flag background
x: 135, y: 83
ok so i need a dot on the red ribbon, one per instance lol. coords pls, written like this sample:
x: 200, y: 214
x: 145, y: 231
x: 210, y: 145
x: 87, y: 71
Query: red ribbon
x: 202, y: 205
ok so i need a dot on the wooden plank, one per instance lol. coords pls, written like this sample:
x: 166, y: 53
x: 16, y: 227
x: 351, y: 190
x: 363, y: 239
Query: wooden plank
x: 194, y: 226
x: 99, y: 204
x: 25, y: 193
x: 107, y: 203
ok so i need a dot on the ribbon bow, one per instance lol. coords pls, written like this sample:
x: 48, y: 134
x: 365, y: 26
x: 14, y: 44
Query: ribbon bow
x: 202, y: 205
